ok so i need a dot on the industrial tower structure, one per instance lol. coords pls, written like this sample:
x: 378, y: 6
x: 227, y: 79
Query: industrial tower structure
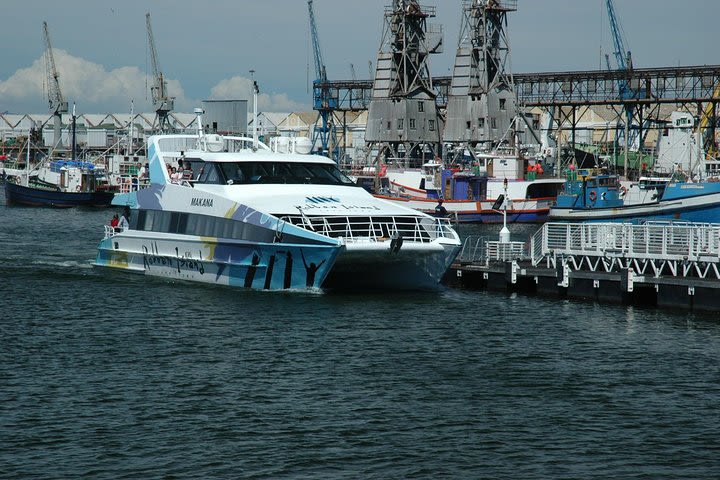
x: 57, y: 103
x: 482, y: 106
x: 403, y: 122
x: 325, y: 99
x: 163, y: 103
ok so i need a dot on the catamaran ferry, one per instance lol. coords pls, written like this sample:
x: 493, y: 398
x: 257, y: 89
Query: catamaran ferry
x: 246, y: 215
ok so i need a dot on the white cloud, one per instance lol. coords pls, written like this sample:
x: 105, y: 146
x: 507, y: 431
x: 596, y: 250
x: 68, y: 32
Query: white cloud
x: 95, y: 89
x: 88, y: 84
x: 242, y: 88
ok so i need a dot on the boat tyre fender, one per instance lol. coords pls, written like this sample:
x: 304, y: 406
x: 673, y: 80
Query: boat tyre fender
x: 593, y: 196
x: 77, y: 189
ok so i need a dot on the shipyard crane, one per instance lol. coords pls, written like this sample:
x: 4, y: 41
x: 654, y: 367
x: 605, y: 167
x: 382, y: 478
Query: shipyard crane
x: 324, y: 101
x: 623, y: 58
x: 57, y: 103
x: 163, y: 103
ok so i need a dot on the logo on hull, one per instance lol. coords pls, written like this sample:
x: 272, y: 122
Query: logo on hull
x: 317, y: 200
x: 201, y: 202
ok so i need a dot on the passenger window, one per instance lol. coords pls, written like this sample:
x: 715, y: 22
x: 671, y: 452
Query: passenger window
x: 211, y: 174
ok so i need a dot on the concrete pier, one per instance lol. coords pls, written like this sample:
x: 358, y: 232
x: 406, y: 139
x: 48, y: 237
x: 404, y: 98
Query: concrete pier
x: 663, y: 264
x: 618, y: 287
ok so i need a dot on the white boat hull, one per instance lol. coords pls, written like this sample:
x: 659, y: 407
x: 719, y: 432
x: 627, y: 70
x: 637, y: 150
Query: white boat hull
x: 409, y: 266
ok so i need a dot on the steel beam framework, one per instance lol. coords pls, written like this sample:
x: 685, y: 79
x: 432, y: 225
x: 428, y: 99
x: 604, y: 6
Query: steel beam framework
x: 670, y: 85
x: 568, y: 94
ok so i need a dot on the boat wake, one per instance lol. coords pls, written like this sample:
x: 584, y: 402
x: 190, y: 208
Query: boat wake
x: 85, y: 265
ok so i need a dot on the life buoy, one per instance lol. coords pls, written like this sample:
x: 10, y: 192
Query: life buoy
x: 623, y: 191
x: 592, y: 195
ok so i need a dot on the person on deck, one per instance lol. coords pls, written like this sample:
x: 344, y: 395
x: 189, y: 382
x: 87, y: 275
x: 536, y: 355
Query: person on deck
x: 124, y: 223
x: 187, y: 173
x: 440, y: 209
x: 115, y: 222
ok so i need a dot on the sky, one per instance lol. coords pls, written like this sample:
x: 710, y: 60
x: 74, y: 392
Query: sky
x: 207, y: 49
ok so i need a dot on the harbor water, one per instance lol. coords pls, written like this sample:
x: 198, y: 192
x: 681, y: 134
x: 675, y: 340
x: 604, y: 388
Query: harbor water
x: 110, y: 375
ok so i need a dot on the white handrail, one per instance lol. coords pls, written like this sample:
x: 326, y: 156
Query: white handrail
x: 657, y: 241
x: 370, y: 228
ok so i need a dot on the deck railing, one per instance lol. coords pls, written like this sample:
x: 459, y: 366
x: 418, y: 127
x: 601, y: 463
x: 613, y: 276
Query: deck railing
x: 652, y: 241
x: 112, y: 231
x: 127, y: 184
x: 376, y: 228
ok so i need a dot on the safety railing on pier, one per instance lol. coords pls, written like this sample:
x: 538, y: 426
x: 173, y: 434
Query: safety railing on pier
x: 376, y: 228
x: 678, y: 248
x: 477, y: 249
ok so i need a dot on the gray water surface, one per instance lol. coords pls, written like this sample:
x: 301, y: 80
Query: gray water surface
x: 110, y: 375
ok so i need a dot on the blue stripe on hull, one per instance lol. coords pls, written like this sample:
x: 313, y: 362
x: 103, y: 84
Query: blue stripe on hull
x: 260, y: 266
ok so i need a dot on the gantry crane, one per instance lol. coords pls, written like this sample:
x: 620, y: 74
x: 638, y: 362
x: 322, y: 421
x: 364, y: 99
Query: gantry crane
x: 482, y: 106
x: 324, y: 100
x: 57, y: 103
x: 163, y: 103
x: 404, y: 124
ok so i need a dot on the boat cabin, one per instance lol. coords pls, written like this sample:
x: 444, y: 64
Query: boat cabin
x: 464, y: 185
x: 207, y: 171
x: 591, y: 188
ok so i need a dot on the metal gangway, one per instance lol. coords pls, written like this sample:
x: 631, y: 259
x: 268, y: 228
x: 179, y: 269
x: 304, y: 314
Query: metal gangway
x: 479, y: 250
x: 654, y: 248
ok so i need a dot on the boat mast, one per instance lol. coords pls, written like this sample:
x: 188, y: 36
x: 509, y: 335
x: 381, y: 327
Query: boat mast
x: 130, y: 129
x: 198, y: 113
x: 256, y: 90
x: 27, y: 163
x: 73, y: 152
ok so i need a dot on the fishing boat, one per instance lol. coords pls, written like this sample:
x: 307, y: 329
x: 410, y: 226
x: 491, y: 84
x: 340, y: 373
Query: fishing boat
x: 470, y: 196
x: 254, y: 217
x: 58, y: 183
x: 594, y: 195
x: 9, y: 168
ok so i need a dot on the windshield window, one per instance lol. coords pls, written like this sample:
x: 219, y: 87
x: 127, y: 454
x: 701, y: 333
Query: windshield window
x: 279, y: 172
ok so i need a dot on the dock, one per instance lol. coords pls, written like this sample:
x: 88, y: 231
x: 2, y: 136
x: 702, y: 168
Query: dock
x: 662, y: 264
